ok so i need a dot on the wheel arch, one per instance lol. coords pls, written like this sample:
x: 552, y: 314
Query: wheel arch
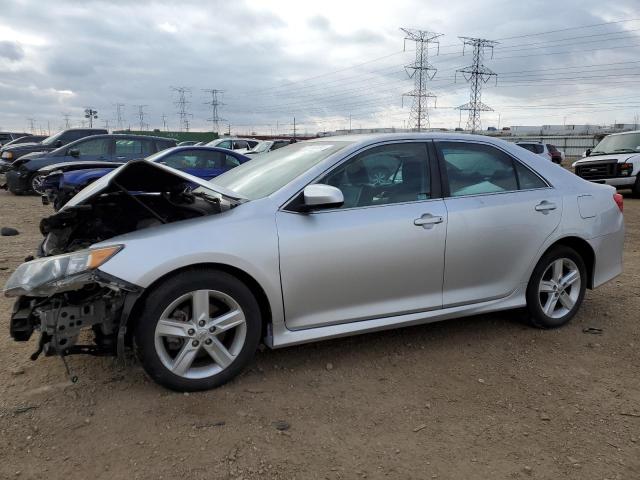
x: 582, y: 247
x: 248, y: 280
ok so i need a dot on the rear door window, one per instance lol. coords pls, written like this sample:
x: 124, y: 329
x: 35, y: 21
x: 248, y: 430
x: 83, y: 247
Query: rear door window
x: 474, y: 169
x: 133, y: 147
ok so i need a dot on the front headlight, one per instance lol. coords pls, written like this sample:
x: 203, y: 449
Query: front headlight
x: 7, y: 155
x: 45, y: 276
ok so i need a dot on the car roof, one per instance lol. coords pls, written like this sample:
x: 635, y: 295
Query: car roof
x: 368, y: 139
x: 624, y: 133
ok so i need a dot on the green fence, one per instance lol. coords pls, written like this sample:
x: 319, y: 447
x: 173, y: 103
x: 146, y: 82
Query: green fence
x: 179, y: 136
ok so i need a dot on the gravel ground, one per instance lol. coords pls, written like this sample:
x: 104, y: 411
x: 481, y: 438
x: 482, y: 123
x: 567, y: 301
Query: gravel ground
x: 477, y: 398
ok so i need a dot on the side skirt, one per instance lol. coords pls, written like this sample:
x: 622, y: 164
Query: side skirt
x: 280, y: 336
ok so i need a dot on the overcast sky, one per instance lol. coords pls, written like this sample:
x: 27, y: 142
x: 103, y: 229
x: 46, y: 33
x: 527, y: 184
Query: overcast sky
x: 322, y: 62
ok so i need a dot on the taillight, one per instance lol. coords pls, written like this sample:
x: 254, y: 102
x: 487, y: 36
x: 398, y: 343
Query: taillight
x: 619, y: 199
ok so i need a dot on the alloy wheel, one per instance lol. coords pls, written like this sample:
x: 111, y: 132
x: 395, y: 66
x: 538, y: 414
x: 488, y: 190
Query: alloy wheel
x: 200, y: 334
x: 559, y: 288
x: 36, y: 183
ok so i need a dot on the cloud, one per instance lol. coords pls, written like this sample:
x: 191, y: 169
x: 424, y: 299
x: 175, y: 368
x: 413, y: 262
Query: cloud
x: 297, y: 59
x: 11, y: 51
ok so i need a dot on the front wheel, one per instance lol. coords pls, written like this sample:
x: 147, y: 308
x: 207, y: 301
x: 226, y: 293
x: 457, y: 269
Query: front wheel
x: 36, y: 183
x: 556, y: 288
x: 198, y: 330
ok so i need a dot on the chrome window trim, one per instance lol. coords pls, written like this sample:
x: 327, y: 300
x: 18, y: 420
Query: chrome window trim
x: 514, y: 159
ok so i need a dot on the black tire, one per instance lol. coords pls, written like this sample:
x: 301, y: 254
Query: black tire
x: 536, y: 315
x: 32, y: 179
x: 636, y: 187
x: 162, y: 297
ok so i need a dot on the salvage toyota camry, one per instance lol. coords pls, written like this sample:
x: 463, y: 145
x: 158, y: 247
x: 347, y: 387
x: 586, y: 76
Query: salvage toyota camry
x: 316, y: 240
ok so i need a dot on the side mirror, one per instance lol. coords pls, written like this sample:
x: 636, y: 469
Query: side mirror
x: 74, y: 152
x: 58, y: 143
x: 588, y: 152
x: 319, y: 196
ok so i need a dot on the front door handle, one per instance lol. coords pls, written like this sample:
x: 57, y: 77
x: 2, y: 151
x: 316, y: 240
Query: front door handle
x: 427, y: 220
x: 545, y: 206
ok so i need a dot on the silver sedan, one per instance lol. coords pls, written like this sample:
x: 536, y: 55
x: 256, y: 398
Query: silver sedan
x: 317, y: 240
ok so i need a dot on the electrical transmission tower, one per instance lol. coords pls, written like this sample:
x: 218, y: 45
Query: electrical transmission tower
x: 67, y: 124
x: 164, y: 123
x: 421, y: 71
x: 214, y: 103
x: 119, y: 115
x: 141, y: 115
x: 182, y: 104
x: 476, y: 74
x: 32, y: 125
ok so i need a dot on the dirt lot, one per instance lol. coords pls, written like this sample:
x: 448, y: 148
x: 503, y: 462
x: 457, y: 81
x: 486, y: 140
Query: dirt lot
x: 483, y: 397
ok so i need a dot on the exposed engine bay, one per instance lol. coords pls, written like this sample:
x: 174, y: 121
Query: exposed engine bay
x: 142, y: 194
x: 62, y: 292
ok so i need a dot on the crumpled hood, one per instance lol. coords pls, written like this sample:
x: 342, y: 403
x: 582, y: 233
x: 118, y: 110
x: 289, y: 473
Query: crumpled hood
x: 142, y: 175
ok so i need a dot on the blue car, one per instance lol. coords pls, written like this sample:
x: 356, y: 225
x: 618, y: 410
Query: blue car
x: 203, y: 162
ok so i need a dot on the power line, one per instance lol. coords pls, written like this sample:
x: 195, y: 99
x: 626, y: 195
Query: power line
x: 421, y: 72
x: 476, y: 74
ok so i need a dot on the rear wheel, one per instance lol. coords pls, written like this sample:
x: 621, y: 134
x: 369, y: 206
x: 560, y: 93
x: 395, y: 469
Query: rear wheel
x: 199, y: 330
x: 556, y: 288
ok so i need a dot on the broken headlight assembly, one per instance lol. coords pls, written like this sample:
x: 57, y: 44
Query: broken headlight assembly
x: 47, y: 275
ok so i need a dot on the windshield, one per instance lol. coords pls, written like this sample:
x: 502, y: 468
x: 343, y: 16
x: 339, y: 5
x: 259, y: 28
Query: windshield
x: 52, y: 139
x: 161, y: 153
x: 628, y: 142
x: 273, y: 170
x: 262, y: 147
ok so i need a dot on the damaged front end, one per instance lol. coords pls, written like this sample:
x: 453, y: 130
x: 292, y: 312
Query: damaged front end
x: 63, y: 294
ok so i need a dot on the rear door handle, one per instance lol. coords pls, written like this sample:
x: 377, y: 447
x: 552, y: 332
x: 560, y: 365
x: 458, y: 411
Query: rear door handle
x: 427, y: 220
x: 545, y: 206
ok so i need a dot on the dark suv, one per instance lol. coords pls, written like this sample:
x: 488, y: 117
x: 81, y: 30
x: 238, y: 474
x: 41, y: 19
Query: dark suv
x: 12, y: 153
x: 24, y: 175
x: 6, y: 137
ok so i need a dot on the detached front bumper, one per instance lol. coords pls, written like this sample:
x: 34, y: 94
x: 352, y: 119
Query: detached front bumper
x: 18, y: 180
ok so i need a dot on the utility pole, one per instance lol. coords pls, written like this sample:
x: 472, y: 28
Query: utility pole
x: 294, y: 128
x: 66, y: 120
x: 476, y: 74
x: 164, y: 123
x: 106, y: 125
x: 229, y: 130
x: 141, y: 115
x: 182, y: 104
x: 32, y: 125
x: 214, y: 103
x: 421, y: 71
x: 91, y: 114
x: 119, y: 116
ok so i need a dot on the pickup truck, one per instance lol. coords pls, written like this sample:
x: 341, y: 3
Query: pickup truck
x: 614, y: 161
